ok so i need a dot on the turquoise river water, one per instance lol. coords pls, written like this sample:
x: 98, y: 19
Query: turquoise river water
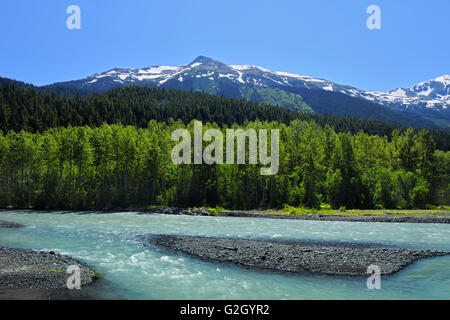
x: 131, y: 270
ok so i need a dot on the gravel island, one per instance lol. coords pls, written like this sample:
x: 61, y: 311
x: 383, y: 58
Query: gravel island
x: 28, y: 274
x: 351, y: 259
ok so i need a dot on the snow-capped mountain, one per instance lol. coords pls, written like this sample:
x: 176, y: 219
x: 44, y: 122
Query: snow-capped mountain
x: 433, y: 94
x: 280, y: 88
x: 202, y: 68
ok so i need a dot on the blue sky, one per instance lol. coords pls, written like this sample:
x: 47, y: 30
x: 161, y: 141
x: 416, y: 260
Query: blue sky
x: 321, y: 38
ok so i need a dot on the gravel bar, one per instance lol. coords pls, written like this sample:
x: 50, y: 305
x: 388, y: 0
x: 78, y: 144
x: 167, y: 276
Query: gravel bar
x: 38, y: 270
x: 391, y: 218
x: 351, y: 259
x: 439, y: 217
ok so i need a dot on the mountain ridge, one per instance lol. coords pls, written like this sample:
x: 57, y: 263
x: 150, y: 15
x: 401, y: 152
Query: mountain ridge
x: 157, y: 72
x: 426, y: 103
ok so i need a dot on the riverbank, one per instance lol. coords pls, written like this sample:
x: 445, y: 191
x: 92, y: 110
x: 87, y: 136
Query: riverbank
x: 369, y: 217
x: 350, y: 259
x: 29, y: 275
x: 37, y: 275
x: 385, y: 216
x: 395, y: 216
x: 21, y: 268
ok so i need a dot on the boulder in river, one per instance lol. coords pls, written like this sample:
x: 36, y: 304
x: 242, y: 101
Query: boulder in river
x: 10, y: 224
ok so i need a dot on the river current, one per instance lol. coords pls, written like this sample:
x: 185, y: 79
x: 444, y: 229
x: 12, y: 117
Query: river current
x: 132, y: 269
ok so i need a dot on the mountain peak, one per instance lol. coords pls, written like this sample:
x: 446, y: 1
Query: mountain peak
x: 202, y: 59
x: 206, y: 61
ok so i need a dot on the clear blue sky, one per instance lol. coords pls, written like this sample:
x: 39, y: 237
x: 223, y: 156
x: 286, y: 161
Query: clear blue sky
x: 321, y: 38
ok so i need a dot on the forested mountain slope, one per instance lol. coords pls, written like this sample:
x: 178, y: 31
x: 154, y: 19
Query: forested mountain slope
x: 24, y: 107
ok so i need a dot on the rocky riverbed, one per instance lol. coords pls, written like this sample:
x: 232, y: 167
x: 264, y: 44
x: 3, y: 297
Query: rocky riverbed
x: 39, y: 270
x: 294, y: 256
x: 392, y: 218
x: 37, y: 275
x: 440, y: 217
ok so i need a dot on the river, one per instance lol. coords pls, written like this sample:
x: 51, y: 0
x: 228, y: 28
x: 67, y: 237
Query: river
x: 111, y: 242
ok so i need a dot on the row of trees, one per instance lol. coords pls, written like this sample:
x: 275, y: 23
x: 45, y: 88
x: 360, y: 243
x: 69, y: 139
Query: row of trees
x: 25, y: 108
x: 113, y: 166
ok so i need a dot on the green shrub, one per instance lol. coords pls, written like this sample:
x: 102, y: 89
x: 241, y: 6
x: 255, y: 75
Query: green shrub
x: 293, y: 210
x: 325, y: 206
x: 96, y: 274
x: 55, y: 271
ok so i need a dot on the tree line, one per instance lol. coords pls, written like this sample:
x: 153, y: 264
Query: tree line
x: 115, y: 165
x: 23, y: 107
